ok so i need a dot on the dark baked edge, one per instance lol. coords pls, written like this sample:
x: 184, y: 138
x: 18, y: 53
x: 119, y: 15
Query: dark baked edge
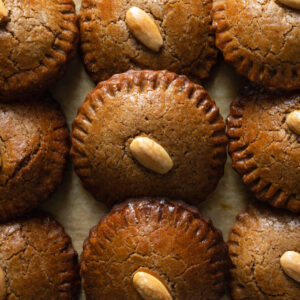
x: 143, y: 79
x: 55, y: 61
x: 256, y: 71
x: 245, y: 165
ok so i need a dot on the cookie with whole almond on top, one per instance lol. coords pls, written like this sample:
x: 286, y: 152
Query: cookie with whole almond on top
x: 37, y: 39
x: 264, y: 143
x: 120, y: 35
x: 265, y: 252
x: 149, y: 133
x: 261, y: 39
x: 154, y: 249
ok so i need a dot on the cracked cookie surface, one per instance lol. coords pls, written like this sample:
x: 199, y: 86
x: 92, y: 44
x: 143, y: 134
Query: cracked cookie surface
x: 38, y: 259
x: 256, y: 242
x: 167, y: 239
x: 34, y: 144
x: 35, y: 45
x: 163, y: 106
x: 264, y: 151
x: 109, y: 47
x: 261, y: 39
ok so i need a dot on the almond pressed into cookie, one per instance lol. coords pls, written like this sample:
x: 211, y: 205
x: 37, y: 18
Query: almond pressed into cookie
x: 120, y: 35
x: 147, y: 240
x: 264, y: 145
x: 149, y: 133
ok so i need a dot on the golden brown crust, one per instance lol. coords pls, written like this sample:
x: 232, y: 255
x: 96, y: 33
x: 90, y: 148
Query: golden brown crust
x: 261, y: 39
x: 108, y: 47
x: 256, y: 242
x: 38, y: 259
x: 169, y: 239
x: 34, y: 144
x: 264, y: 151
x: 35, y: 45
x: 168, y: 108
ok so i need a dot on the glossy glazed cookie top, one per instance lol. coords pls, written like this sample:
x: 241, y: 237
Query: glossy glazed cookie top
x: 160, y: 106
x: 261, y: 39
x: 260, y: 236
x: 33, y: 151
x: 110, y: 47
x: 167, y: 239
x: 37, y: 260
x: 264, y: 148
x: 35, y: 44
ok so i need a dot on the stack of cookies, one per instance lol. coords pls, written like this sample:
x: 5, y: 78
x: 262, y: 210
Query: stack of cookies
x: 149, y: 142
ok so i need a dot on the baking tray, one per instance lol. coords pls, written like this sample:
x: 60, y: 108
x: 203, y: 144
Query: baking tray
x: 78, y: 211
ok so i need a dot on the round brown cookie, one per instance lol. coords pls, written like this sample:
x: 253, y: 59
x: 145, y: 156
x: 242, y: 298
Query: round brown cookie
x: 265, y: 151
x: 37, y: 260
x: 261, y: 39
x: 109, y: 46
x: 34, y: 144
x: 166, y: 239
x: 36, y: 42
x: 161, y: 106
x: 258, y: 239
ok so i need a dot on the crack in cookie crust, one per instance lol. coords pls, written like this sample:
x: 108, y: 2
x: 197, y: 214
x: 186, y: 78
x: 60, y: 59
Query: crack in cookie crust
x: 264, y: 151
x: 260, y: 39
x: 256, y: 242
x: 108, y: 47
x: 34, y: 143
x: 38, y: 259
x: 35, y: 45
x: 167, y: 238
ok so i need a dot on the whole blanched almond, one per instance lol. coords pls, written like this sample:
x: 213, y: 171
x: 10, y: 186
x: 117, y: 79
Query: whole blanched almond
x: 3, y: 289
x: 144, y: 28
x: 290, y: 263
x: 149, y: 287
x: 291, y: 3
x: 3, y: 12
x: 293, y: 121
x: 151, y: 155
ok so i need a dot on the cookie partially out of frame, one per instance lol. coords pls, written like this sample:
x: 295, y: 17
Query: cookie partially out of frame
x: 265, y: 149
x: 37, y: 39
x: 258, y: 239
x: 34, y: 144
x: 162, y: 108
x: 37, y: 260
x: 168, y: 240
x: 109, y: 46
x: 261, y: 40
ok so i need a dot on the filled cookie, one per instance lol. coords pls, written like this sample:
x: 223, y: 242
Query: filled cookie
x: 260, y: 39
x: 120, y: 35
x: 265, y: 252
x: 37, y: 260
x: 34, y: 144
x: 264, y: 143
x: 154, y: 249
x: 149, y: 133
x: 37, y: 38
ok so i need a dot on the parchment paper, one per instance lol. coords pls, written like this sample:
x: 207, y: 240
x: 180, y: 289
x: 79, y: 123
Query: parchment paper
x: 77, y: 210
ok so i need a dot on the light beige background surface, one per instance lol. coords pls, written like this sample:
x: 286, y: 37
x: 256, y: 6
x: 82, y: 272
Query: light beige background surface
x: 78, y: 211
